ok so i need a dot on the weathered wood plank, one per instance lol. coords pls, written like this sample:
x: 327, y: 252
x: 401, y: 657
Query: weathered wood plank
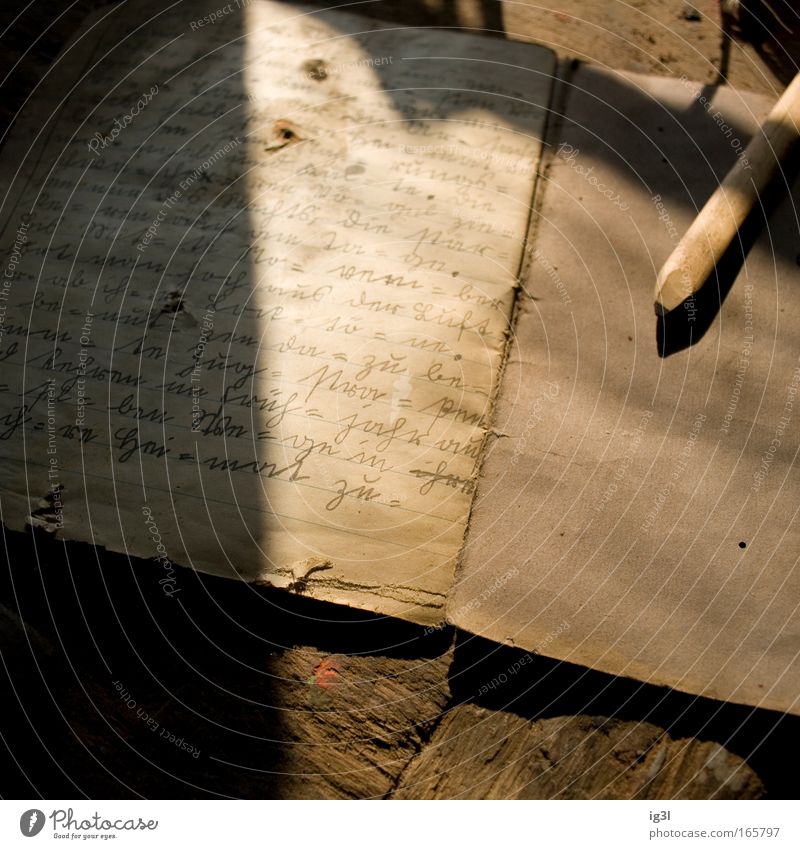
x: 477, y: 753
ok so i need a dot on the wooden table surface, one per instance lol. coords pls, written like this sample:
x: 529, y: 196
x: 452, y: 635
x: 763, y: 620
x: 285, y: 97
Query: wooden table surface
x: 118, y: 691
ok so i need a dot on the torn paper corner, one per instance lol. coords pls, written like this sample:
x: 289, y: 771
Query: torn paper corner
x: 49, y: 514
x: 295, y: 577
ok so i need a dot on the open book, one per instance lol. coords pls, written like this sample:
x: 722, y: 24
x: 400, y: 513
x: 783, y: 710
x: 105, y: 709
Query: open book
x: 261, y: 270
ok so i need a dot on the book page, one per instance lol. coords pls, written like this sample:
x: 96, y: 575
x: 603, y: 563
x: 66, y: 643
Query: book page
x: 640, y: 516
x: 260, y: 265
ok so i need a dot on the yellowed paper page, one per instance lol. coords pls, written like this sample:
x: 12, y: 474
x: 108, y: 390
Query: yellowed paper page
x: 640, y: 514
x: 259, y: 273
